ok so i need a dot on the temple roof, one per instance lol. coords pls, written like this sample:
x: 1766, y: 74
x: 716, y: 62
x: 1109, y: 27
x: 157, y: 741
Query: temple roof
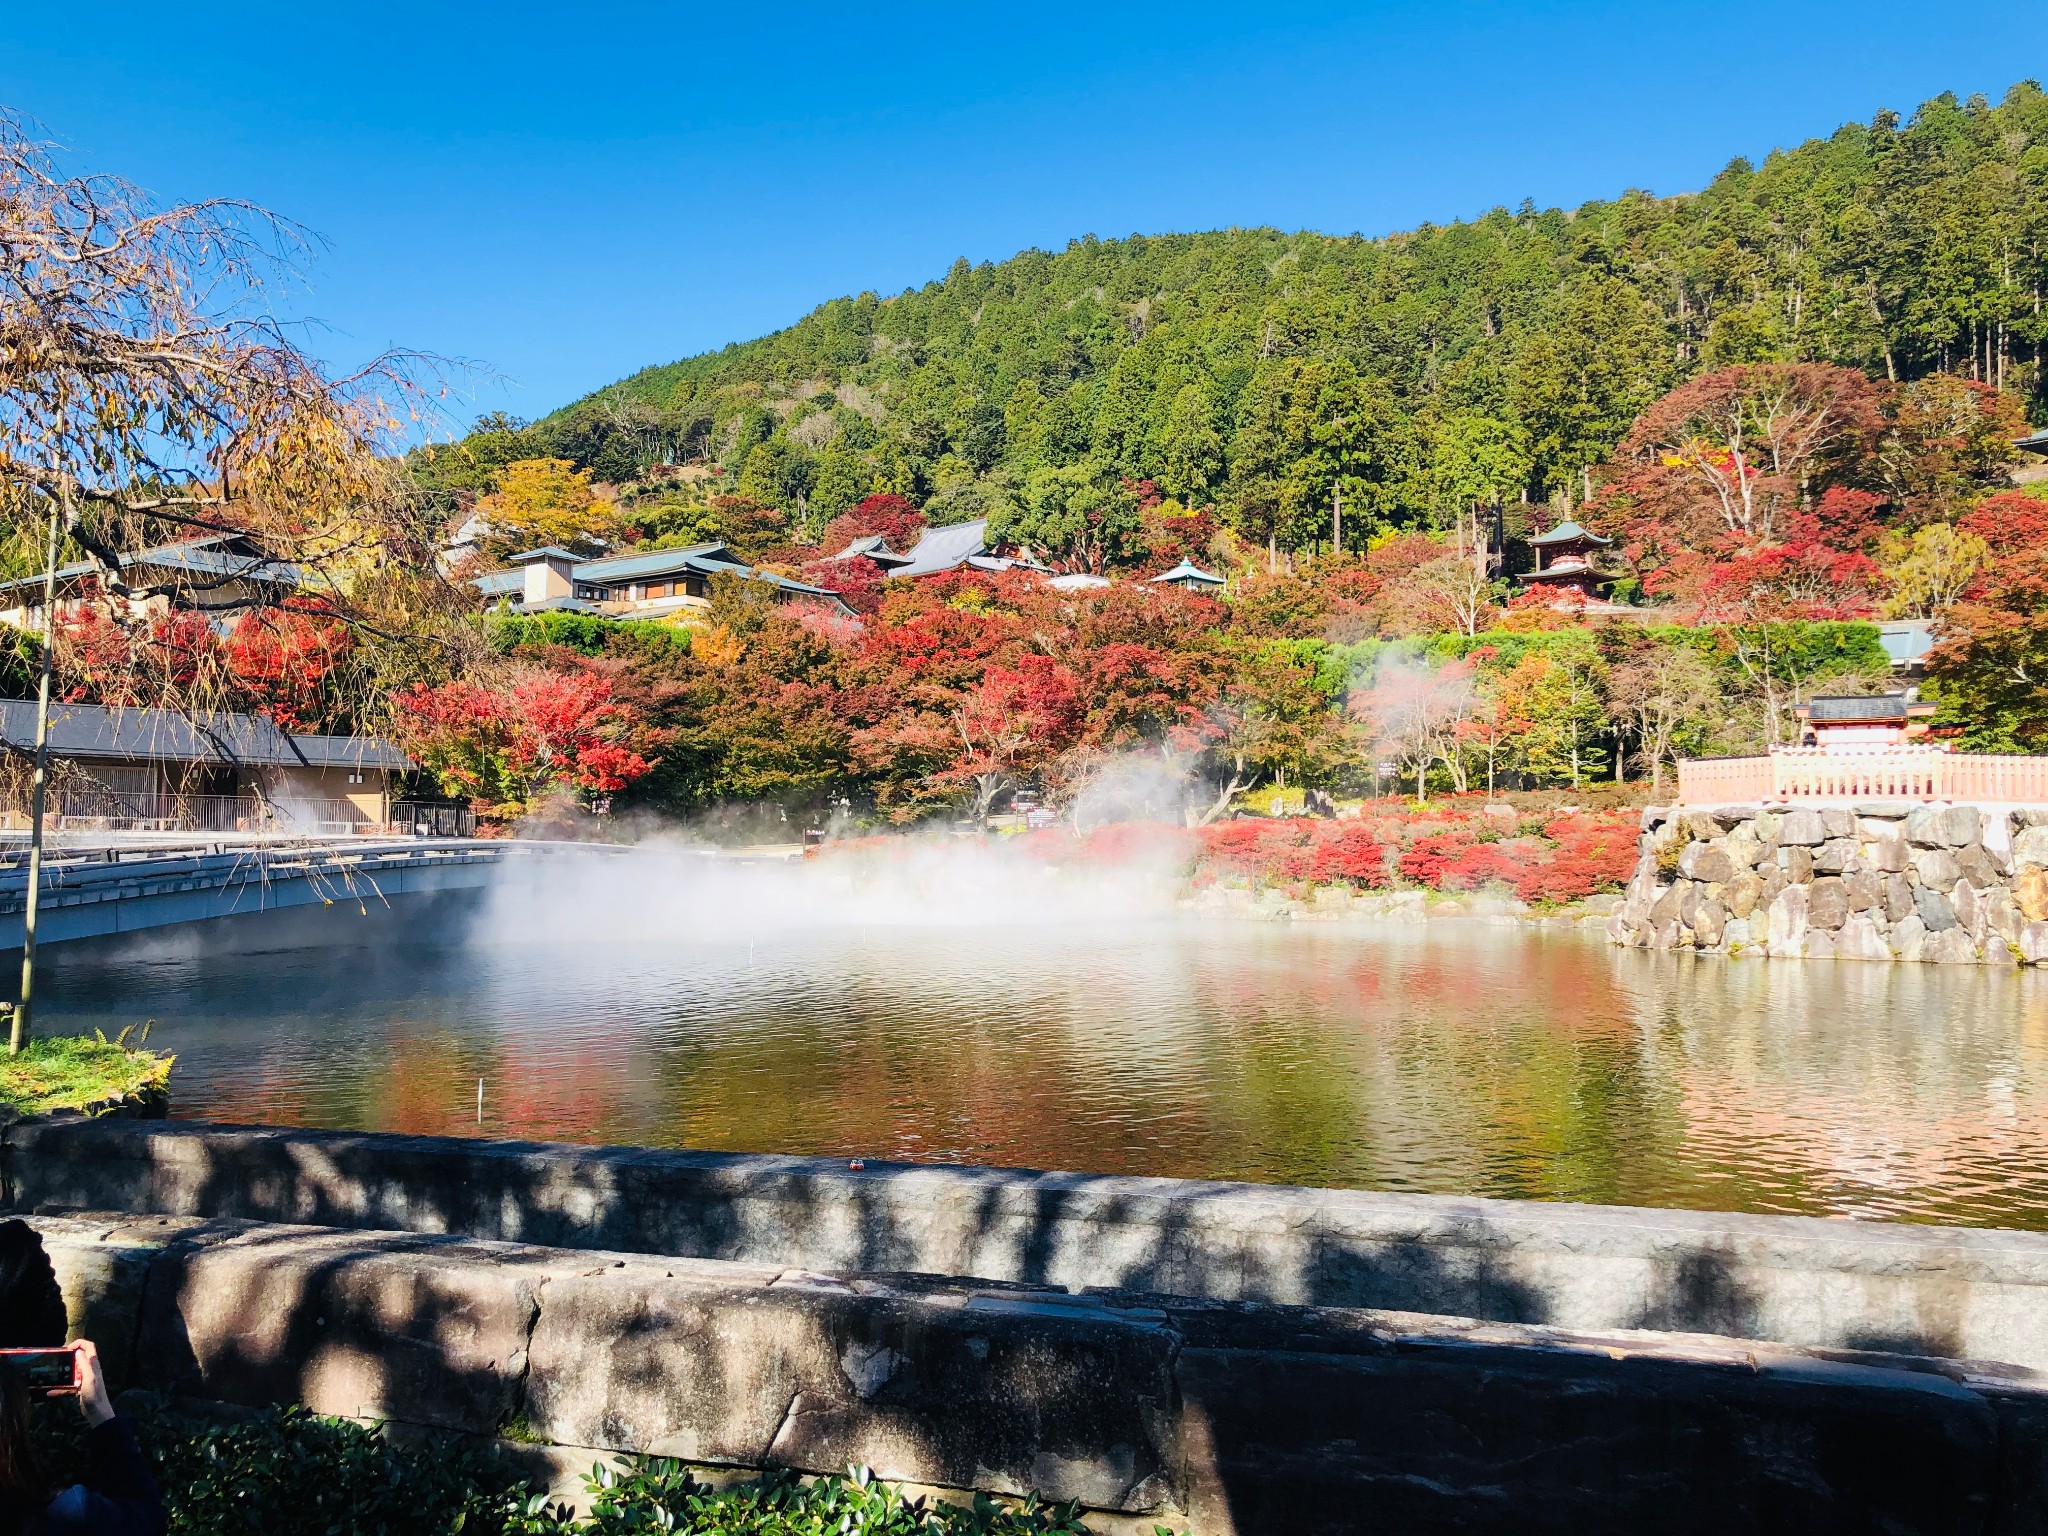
x: 1567, y: 532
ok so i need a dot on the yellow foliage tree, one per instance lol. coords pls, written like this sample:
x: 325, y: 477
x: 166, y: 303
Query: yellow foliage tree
x: 1929, y: 573
x: 547, y: 501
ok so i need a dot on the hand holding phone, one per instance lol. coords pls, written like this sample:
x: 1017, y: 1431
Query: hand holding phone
x: 72, y: 1371
x: 46, y: 1372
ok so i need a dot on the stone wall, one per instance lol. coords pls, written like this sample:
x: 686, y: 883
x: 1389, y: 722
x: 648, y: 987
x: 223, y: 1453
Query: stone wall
x: 1890, y: 880
x: 1795, y: 1280
x: 1226, y: 1418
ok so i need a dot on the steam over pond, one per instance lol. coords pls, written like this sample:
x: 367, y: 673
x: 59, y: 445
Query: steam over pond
x: 937, y: 1004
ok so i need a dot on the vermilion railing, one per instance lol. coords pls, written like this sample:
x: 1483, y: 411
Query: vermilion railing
x: 1863, y: 773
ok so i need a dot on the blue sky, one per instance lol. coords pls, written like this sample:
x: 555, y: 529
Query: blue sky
x: 568, y: 193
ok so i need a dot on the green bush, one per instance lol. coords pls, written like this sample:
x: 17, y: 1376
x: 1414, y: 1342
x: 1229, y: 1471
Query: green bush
x: 292, y: 1473
x: 590, y: 633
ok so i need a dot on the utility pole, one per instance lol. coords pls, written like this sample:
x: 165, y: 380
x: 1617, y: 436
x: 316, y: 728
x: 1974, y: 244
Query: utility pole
x: 18, y: 1032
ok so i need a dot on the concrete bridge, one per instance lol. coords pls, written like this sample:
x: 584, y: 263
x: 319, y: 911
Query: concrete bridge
x: 129, y: 887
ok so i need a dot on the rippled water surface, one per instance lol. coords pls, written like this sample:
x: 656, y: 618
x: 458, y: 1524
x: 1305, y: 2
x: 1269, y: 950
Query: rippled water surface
x: 1444, y: 1058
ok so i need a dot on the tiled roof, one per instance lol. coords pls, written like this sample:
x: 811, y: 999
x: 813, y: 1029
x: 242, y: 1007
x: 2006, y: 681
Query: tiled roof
x: 1883, y: 706
x: 196, y: 557
x: 1565, y: 532
x: 941, y: 549
x: 166, y: 735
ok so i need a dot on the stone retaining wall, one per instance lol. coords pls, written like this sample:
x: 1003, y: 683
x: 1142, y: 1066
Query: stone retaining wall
x: 1225, y: 1418
x: 1955, y: 884
x: 1796, y: 1280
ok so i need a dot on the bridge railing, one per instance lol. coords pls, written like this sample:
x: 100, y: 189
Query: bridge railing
x: 1864, y: 773
x: 75, y: 808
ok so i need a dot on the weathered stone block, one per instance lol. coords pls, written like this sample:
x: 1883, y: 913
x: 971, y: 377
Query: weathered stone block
x: 1889, y: 855
x: 1746, y: 889
x: 1944, y: 826
x: 2031, y: 845
x: 1970, y: 910
x: 1708, y: 862
x: 1907, y: 935
x: 1709, y: 923
x: 1980, y: 867
x: 1934, y: 910
x: 1737, y: 932
x: 2030, y: 891
x: 1860, y: 940
x: 1010, y: 1391
x: 1788, y: 920
x: 1898, y: 897
x: 1836, y: 856
x: 1862, y: 890
x: 423, y: 1330
x: 1797, y: 862
x: 1766, y: 827
x: 1839, y: 823
x: 1743, y: 849
x: 2033, y: 944
x: 1827, y: 904
x: 1819, y: 945
x: 1950, y: 946
x: 1802, y: 828
x: 1937, y: 868
x: 1668, y: 907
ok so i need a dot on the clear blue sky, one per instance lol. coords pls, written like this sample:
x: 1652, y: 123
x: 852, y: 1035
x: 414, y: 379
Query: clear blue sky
x: 568, y: 193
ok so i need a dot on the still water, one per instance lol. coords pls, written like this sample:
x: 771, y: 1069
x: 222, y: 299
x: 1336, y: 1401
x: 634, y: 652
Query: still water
x: 1443, y: 1058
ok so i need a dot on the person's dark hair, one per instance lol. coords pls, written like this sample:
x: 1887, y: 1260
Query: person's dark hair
x: 21, y: 1479
x: 31, y: 1306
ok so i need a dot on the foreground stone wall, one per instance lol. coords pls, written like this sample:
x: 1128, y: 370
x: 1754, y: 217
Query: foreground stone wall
x: 1890, y: 880
x: 1796, y: 1280
x: 1218, y: 1417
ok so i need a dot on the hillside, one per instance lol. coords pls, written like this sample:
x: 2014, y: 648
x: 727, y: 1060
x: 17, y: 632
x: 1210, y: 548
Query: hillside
x: 1471, y: 361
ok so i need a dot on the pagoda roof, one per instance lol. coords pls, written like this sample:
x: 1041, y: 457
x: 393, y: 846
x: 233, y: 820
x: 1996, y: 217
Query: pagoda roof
x: 1569, y: 532
x: 1187, y: 571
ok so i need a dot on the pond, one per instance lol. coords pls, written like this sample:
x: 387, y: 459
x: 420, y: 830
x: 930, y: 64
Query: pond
x: 1445, y: 1057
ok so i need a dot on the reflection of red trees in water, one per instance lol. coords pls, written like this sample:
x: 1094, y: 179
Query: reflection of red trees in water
x: 1563, y: 859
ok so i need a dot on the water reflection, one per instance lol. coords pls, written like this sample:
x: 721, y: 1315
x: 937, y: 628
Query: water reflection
x: 1440, y: 1058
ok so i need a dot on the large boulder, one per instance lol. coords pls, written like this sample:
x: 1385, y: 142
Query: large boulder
x: 1668, y: 907
x: 1708, y: 924
x: 1862, y: 890
x: 1840, y: 823
x: 1907, y: 936
x: 1889, y: 855
x: 2031, y: 845
x: 1744, y: 892
x: 1788, y: 921
x: 1708, y: 862
x: 1951, y: 946
x: 1979, y: 866
x: 2030, y: 890
x: 1802, y: 828
x: 1934, y: 910
x: 1937, y: 868
x: 1859, y: 939
x: 1836, y: 857
x: 1798, y: 863
x: 1944, y: 826
x: 1744, y: 847
x: 1827, y: 904
x: 1898, y: 897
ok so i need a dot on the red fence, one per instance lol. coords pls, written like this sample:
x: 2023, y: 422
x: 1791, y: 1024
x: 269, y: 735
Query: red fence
x: 1847, y: 773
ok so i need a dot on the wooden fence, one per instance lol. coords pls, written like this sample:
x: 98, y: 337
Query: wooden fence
x: 1877, y: 773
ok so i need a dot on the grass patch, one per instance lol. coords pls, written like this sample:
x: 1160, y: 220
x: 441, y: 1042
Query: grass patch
x: 290, y: 1473
x: 71, y: 1072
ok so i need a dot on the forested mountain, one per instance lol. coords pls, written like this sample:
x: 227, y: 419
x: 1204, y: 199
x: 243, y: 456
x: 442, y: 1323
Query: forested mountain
x: 1421, y: 372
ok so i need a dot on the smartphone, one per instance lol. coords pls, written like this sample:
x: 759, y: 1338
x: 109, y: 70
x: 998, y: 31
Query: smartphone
x: 48, y: 1371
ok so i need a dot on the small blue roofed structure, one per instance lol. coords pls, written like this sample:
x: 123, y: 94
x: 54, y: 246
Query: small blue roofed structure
x: 1189, y: 576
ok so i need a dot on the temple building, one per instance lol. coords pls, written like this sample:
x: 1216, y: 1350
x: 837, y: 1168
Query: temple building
x: 1879, y: 720
x: 1564, y: 559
